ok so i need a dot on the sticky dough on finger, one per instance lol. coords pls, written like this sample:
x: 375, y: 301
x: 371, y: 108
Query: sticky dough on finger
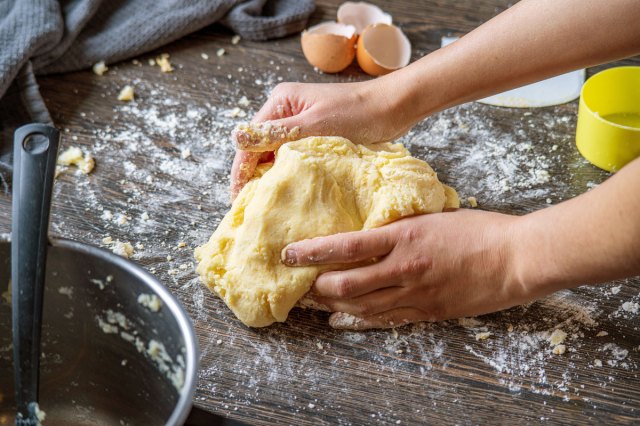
x: 261, y: 137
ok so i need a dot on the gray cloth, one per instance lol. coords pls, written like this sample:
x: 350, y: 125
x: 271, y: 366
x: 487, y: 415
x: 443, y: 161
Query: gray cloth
x: 39, y: 37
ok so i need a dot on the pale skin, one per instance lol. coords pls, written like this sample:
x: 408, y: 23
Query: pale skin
x: 468, y: 262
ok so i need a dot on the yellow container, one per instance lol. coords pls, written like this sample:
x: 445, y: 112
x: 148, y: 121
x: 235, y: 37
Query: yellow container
x: 608, y: 130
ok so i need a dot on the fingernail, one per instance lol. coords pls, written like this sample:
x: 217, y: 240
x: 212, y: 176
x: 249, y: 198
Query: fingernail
x: 288, y: 256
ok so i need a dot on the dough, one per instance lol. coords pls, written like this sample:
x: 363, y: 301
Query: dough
x: 317, y: 186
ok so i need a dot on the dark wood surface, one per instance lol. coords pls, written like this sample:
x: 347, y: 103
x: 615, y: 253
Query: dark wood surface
x: 302, y: 372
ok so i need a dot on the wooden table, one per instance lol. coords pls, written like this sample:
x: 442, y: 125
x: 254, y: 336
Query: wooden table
x: 302, y: 372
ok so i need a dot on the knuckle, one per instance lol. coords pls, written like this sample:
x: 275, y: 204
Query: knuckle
x: 364, y: 309
x: 351, y: 248
x: 411, y: 267
x: 412, y: 234
x: 343, y: 286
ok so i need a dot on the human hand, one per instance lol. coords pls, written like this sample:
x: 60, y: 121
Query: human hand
x: 431, y: 268
x: 363, y: 112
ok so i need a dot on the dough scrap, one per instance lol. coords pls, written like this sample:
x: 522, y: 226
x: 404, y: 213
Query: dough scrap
x: 318, y: 186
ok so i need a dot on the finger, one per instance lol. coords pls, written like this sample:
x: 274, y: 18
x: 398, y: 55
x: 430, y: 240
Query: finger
x: 390, y: 319
x: 373, y: 303
x: 354, y: 282
x: 348, y: 247
x: 264, y: 136
x: 242, y: 170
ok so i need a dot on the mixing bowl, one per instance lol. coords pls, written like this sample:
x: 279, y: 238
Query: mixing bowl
x: 109, y: 355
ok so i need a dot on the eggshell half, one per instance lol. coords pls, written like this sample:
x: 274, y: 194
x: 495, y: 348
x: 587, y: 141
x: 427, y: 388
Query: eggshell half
x: 383, y: 48
x: 329, y: 46
x: 361, y: 15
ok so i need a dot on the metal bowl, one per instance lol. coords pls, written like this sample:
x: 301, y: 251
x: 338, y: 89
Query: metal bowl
x: 106, y: 358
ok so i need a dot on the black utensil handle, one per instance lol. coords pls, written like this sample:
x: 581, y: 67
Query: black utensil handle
x: 34, y: 159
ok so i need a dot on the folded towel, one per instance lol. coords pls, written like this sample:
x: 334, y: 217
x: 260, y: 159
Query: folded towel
x: 39, y: 37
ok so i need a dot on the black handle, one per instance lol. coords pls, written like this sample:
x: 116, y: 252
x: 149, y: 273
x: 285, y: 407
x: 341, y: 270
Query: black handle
x: 34, y: 158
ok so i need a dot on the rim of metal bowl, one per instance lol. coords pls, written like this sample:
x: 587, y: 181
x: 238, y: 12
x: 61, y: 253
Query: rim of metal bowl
x: 185, y: 401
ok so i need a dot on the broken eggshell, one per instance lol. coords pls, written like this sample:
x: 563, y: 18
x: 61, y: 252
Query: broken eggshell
x: 383, y: 48
x: 361, y: 15
x: 329, y: 46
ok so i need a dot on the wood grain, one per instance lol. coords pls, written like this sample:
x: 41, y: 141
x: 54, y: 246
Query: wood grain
x: 302, y: 372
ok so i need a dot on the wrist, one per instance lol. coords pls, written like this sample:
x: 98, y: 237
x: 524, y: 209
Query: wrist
x: 533, y: 271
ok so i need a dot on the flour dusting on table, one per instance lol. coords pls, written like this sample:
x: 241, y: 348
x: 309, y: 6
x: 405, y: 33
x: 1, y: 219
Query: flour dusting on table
x: 519, y: 168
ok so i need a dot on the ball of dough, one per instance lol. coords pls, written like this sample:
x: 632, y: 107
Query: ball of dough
x: 317, y: 186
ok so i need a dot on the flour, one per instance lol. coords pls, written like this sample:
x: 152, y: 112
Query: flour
x: 519, y: 167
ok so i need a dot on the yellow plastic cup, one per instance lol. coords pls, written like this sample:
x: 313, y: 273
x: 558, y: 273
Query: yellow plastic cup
x: 608, y: 130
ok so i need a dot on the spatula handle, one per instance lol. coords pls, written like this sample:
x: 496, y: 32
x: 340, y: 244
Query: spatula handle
x: 34, y: 157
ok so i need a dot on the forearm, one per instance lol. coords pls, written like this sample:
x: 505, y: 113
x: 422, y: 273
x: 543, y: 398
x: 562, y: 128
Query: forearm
x: 531, y: 41
x: 592, y: 238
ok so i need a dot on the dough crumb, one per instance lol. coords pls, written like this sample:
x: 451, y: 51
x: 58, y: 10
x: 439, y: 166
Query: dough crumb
x: 101, y: 285
x: 559, y: 349
x: 73, y: 156
x: 557, y: 337
x: 597, y: 363
x: 164, y: 63
x: 483, y: 335
x: 144, y: 216
x: 473, y: 202
x: 204, y: 56
x: 100, y: 68
x: 6, y: 295
x: 510, y: 328
x: 107, y: 240
x: 150, y: 301
x: 237, y: 112
x: 602, y: 334
x: 182, y: 244
x: 40, y: 414
x: 185, y: 154
x: 235, y: 39
x: 220, y: 52
x: 122, y: 219
x: 312, y: 406
x: 244, y: 102
x: 219, y: 342
x: 470, y: 322
x: 126, y: 94
x: 122, y: 249
x: 152, y: 62
x: 67, y: 291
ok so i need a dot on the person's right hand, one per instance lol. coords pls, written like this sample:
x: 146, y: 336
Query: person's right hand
x: 363, y: 112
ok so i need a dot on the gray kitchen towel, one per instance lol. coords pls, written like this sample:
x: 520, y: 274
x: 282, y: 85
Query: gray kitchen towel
x: 39, y: 37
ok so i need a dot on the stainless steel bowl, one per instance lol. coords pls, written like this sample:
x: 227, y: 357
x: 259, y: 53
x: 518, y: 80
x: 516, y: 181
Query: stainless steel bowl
x: 106, y: 358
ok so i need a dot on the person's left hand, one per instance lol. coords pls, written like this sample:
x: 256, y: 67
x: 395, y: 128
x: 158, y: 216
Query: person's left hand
x: 431, y: 267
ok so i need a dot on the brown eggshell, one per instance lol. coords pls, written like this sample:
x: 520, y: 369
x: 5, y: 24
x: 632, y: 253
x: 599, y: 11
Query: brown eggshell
x: 383, y: 48
x: 361, y: 15
x: 329, y: 46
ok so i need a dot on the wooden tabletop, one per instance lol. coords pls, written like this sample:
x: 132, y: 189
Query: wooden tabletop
x: 302, y: 372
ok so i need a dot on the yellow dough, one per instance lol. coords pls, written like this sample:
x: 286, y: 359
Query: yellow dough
x: 317, y: 186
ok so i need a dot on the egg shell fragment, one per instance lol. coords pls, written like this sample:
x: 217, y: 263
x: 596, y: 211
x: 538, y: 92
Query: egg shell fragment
x: 361, y: 15
x: 329, y: 46
x: 383, y: 48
